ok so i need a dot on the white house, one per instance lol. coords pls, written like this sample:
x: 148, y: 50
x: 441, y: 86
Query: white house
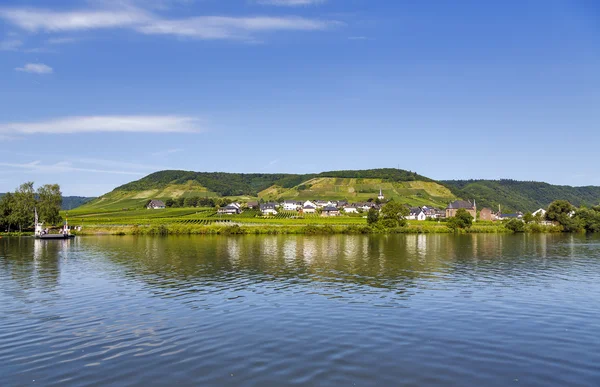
x: 155, y: 205
x: 309, y: 207
x: 351, y: 209
x: 541, y: 212
x: 268, y: 209
x: 231, y: 209
x: 290, y: 205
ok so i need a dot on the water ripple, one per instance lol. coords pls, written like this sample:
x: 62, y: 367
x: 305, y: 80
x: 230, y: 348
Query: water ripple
x: 340, y: 310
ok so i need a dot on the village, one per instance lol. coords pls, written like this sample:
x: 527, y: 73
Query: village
x: 331, y: 208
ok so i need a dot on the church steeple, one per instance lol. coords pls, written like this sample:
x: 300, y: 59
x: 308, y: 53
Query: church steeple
x: 380, y: 197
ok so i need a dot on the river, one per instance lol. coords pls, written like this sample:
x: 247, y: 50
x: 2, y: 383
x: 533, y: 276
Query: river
x: 488, y: 310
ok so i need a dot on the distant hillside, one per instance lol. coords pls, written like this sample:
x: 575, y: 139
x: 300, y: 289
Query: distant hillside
x: 414, y: 193
x: 70, y: 202
x: 524, y: 196
x: 357, y: 185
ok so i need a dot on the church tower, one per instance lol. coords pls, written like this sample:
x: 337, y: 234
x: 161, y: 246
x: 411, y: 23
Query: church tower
x: 380, y: 197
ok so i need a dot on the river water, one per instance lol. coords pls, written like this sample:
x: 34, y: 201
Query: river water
x: 487, y: 310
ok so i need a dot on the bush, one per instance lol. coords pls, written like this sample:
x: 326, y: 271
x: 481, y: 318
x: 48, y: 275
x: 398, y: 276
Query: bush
x: 515, y: 225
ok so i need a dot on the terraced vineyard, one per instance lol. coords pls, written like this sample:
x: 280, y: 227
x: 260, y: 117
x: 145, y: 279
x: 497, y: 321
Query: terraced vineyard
x: 200, y: 217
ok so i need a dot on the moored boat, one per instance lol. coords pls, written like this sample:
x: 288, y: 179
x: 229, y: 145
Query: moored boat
x: 41, y: 233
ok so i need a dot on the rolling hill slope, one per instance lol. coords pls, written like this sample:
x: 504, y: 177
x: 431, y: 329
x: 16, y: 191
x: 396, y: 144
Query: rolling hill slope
x: 407, y: 186
x: 404, y: 186
x: 523, y: 196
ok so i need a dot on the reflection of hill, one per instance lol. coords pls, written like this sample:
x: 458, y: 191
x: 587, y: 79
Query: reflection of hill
x: 386, y: 262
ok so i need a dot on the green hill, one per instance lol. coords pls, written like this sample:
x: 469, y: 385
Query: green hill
x: 359, y: 185
x: 523, y: 196
x: 352, y: 185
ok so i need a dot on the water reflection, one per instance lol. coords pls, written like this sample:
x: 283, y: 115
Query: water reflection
x: 390, y: 261
x: 313, y: 310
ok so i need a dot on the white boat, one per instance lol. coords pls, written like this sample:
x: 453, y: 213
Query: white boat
x: 41, y: 233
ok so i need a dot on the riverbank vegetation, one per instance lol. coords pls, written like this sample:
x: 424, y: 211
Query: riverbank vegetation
x: 17, y: 208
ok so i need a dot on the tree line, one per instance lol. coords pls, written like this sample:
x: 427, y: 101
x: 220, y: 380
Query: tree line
x: 17, y: 208
x: 197, y: 201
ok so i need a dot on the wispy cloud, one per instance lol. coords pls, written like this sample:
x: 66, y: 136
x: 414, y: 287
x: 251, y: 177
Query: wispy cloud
x: 141, y: 21
x: 35, y: 20
x: 36, y: 68
x: 64, y: 40
x: 91, y: 124
x: 63, y: 166
x: 10, y: 44
x: 166, y: 152
x: 120, y: 164
x: 218, y: 27
x: 289, y: 3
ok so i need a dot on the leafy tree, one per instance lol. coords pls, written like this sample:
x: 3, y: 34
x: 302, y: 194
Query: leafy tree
x: 462, y: 220
x: 49, y: 203
x: 372, y: 216
x: 180, y: 202
x: 6, y: 211
x: 169, y: 202
x: 24, y: 205
x: 515, y: 225
x: 589, y: 218
x: 190, y: 202
x: 562, y: 211
x: 528, y: 218
x: 394, y: 214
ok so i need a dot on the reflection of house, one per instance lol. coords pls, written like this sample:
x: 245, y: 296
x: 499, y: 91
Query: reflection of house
x: 330, y: 211
x: 471, y: 208
x: 486, y: 214
x: 268, y: 209
x: 155, y: 205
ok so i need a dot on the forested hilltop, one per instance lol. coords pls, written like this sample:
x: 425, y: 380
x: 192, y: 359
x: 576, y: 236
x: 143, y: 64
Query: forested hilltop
x: 523, y: 196
x: 404, y: 186
x: 250, y: 184
x: 352, y: 185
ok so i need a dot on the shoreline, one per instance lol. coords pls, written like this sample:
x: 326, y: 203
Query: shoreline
x: 313, y: 229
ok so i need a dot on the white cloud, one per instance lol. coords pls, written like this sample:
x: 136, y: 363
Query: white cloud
x: 200, y: 27
x: 64, y: 40
x: 219, y: 27
x: 119, y: 164
x: 10, y: 44
x: 36, y: 68
x: 166, y: 152
x: 34, y: 20
x: 289, y: 3
x: 91, y: 124
x: 63, y: 166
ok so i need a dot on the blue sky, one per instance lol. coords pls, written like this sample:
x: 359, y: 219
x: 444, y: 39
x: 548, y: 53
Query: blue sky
x: 97, y: 93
